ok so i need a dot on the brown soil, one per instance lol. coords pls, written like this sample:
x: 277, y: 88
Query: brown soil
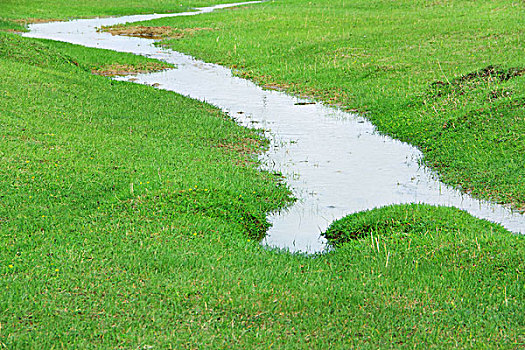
x: 128, y: 69
x: 164, y: 32
x: 26, y: 21
x: 246, y: 146
x: 495, y: 72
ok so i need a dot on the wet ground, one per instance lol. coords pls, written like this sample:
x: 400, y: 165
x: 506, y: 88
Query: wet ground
x: 335, y: 162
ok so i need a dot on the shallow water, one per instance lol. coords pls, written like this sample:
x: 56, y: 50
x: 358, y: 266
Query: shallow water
x: 335, y: 162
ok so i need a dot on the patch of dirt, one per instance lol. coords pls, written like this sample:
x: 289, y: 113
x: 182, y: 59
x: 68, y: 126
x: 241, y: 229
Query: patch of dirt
x: 276, y: 87
x: 128, y: 69
x: 246, y: 146
x: 26, y: 21
x: 460, y: 85
x: 494, y: 72
x: 158, y: 33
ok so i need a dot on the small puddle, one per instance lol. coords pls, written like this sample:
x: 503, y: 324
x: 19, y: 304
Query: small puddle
x: 335, y: 162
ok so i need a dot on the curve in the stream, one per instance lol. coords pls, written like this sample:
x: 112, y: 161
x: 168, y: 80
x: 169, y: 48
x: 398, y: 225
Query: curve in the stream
x: 335, y: 162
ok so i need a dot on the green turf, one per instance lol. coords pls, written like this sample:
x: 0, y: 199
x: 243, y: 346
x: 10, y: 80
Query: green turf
x: 388, y: 60
x: 129, y: 218
x: 65, y: 9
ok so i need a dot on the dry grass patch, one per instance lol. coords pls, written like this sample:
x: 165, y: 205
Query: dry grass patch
x: 128, y: 69
x: 26, y: 21
x: 164, y: 32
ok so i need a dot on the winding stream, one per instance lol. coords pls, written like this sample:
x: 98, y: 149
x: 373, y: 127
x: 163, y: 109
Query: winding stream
x: 335, y: 162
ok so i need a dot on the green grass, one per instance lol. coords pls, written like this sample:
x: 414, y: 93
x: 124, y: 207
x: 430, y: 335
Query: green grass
x: 6, y: 25
x: 129, y: 218
x: 384, y: 59
x: 64, y: 9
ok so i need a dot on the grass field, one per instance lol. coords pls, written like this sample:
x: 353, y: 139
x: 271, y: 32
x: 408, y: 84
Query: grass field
x: 445, y: 76
x: 130, y: 218
x: 33, y: 10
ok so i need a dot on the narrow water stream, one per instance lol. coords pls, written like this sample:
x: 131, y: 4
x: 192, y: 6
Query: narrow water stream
x: 335, y: 162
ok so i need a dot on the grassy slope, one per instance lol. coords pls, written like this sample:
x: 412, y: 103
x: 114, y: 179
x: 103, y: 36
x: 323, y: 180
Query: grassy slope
x: 63, y: 9
x: 73, y: 145
x: 382, y: 57
x: 86, y: 262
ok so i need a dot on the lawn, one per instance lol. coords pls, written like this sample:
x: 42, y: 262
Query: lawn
x: 24, y: 11
x: 130, y: 218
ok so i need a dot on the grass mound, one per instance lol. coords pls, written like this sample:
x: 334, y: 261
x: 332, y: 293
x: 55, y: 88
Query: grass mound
x: 31, y: 52
x: 472, y: 130
x: 441, y: 240
x: 66, y: 57
x: 407, y: 220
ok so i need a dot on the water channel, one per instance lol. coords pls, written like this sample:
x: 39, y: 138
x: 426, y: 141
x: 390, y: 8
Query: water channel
x: 335, y: 162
